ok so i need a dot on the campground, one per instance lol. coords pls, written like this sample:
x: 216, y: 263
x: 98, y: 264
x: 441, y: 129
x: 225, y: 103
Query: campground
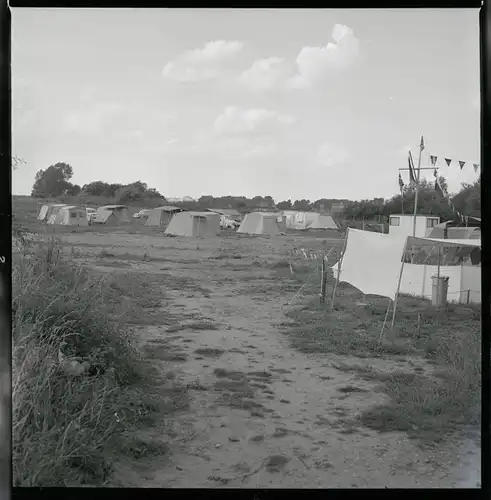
x: 275, y: 389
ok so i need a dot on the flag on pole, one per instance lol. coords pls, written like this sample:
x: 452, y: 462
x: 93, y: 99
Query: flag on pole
x: 412, y: 171
x: 476, y: 167
x: 401, y: 183
x: 433, y: 160
x: 448, y: 160
x: 461, y: 163
x: 422, y: 145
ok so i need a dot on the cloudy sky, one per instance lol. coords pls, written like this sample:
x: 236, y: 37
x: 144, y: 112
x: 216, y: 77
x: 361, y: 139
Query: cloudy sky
x: 291, y: 103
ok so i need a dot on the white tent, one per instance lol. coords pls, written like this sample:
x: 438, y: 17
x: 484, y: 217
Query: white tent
x: 46, y: 210
x: 70, y: 216
x: 373, y: 263
x: 161, y: 216
x: 260, y: 223
x: 112, y: 215
x: 323, y: 221
x: 194, y: 224
x: 308, y: 220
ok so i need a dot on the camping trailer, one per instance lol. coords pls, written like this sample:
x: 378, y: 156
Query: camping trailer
x: 161, y: 216
x: 402, y: 225
x: 112, y: 215
x: 70, y: 215
x: 194, y: 224
x: 260, y: 223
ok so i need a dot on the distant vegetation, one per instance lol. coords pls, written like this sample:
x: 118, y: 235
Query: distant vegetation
x: 54, y: 182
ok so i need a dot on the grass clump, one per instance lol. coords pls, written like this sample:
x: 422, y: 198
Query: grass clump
x: 66, y: 423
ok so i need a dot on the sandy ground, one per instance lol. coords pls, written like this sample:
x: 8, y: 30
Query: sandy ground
x: 263, y: 415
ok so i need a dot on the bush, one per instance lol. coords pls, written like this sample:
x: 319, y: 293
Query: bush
x: 65, y: 426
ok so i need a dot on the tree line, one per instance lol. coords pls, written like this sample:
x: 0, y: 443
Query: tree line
x: 54, y: 182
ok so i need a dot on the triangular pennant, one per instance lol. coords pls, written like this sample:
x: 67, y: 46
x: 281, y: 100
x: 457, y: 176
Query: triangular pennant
x: 448, y: 160
x: 433, y: 160
x: 476, y: 167
x: 461, y: 163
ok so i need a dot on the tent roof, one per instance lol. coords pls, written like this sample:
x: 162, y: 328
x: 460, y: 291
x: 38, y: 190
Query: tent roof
x: 69, y: 207
x: 168, y: 208
x: 200, y: 214
x: 225, y: 211
x: 268, y: 214
x: 443, y: 243
x: 420, y: 215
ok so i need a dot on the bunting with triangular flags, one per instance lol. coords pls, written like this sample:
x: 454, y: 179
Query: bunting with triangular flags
x: 476, y: 167
x: 448, y: 160
x: 461, y: 163
x: 433, y: 160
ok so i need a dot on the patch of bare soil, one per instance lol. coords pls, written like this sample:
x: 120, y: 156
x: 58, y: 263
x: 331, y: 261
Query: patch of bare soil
x: 261, y: 414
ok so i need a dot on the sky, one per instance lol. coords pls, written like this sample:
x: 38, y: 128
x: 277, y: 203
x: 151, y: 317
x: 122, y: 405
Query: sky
x: 287, y: 103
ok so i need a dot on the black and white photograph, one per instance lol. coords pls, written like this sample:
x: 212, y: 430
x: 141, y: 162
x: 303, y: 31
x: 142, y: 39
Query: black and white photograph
x: 246, y: 248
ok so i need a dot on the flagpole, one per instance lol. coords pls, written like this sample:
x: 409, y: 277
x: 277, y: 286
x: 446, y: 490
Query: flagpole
x: 416, y: 191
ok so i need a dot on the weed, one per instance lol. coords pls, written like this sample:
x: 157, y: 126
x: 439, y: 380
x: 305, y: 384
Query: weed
x: 66, y: 427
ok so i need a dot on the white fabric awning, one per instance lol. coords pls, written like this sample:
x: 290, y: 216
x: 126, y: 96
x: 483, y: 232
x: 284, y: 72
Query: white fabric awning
x: 443, y: 243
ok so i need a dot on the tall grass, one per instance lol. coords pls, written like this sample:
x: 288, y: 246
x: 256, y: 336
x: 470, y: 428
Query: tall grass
x: 66, y: 427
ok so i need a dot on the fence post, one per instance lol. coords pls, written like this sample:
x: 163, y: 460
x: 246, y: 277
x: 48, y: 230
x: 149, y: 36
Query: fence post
x: 323, y: 282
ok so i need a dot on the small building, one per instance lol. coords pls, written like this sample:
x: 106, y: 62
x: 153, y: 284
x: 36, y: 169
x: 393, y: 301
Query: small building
x: 402, y: 225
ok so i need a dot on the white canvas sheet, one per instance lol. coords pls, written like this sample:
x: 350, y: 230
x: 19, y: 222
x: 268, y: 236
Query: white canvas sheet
x: 372, y: 262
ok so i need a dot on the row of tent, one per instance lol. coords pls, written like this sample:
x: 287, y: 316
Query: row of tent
x: 71, y: 215
x: 180, y: 222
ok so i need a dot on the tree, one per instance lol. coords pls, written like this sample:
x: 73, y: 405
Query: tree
x: 284, y: 205
x: 53, y: 181
x: 468, y: 200
x: 96, y: 188
x: 302, y: 205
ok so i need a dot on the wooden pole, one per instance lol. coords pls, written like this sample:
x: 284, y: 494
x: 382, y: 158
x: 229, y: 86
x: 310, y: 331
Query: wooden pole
x: 385, y: 321
x: 416, y: 191
x: 396, y: 298
x: 323, y: 282
x: 340, y: 262
x: 438, y: 278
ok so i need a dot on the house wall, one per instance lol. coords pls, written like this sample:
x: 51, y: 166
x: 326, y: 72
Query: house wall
x: 406, y: 226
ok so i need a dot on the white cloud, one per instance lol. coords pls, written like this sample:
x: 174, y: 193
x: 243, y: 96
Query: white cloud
x: 330, y: 155
x: 264, y: 74
x: 237, y: 121
x: 92, y: 120
x: 314, y: 64
x: 206, y: 63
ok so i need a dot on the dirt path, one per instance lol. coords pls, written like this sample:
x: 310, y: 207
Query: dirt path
x: 263, y: 415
